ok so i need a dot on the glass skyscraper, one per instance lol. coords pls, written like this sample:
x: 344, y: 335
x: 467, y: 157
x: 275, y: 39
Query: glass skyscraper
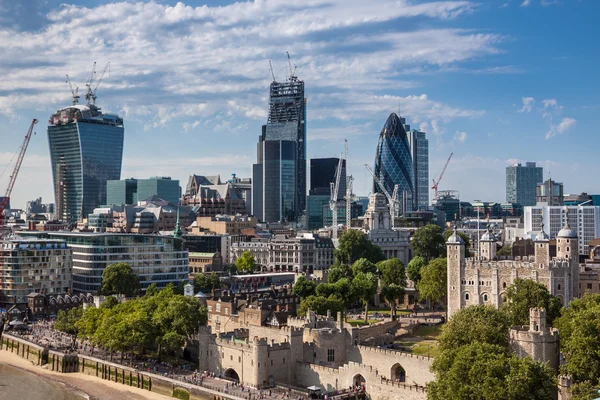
x: 521, y: 183
x: 393, y: 162
x: 419, y: 146
x: 86, y: 150
x: 279, y: 176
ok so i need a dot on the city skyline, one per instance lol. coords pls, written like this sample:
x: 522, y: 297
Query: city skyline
x: 184, y: 78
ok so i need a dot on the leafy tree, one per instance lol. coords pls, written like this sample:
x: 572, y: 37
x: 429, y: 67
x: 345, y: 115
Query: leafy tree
x: 506, y: 251
x: 524, y: 294
x: 428, y: 242
x: 320, y: 305
x: 363, y: 265
x: 364, y: 286
x: 119, y: 278
x: 304, y: 287
x: 584, y: 391
x: 464, y: 237
x: 433, y: 283
x: 109, y: 302
x: 579, y: 326
x: 325, y: 289
x: 354, y: 245
x: 66, y: 320
x: 337, y: 272
x: 344, y: 290
x: 475, y: 324
x: 206, y: 283
x: 246, y: 262
x: 413, y: 270
x: 487, y: 371
x: 393, y: 281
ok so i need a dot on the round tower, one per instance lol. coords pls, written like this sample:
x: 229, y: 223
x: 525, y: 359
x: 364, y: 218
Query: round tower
x: 454, y: 261
x: 488, y: 245
x: 567, y: 248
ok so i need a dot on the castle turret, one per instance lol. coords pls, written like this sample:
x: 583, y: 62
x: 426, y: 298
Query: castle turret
x: 455, y: 259
x: 567, y: 248
x: 538, y: 341
x: 261, y: 357
x: 542, y: 249
x: 488, y: 245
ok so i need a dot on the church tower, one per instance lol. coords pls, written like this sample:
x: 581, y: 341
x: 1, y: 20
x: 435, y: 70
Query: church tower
x: 454, y: 262
x: 377, y: 216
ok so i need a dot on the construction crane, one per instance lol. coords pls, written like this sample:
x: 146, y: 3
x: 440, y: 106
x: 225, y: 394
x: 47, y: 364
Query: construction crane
x: 392, y: 199
x: 349, y: 197
x: 74, y: 92
x: 90, y: 94
x: 436, y: 184
x: 292, y: 71
x: 11, y: 184
x: 335, y: 188
x: 272, y: 73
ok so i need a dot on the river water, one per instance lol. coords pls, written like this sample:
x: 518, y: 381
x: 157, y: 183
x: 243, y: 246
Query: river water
x: 16, y: 384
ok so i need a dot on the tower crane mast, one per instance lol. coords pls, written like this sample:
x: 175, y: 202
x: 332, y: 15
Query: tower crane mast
x: 335, y: 188
x: 392, y: 199
x: 4, y: 202
x: 436, y: 184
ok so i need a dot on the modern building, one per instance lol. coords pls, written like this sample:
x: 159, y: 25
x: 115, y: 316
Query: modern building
x: 314, y: 210
x: 322, y: 173
x: 155, y: 259
x: 448, y: 202
x: 34, y: 265
x: 279, y: 175
x: 419, y: 148
x: 585, y: 220
x: 86, y: 151
x: 393, y: 162
x: 549, y: 193
x: 582, y: 199
x: 38, y: 207
x: 521, y: 183
x: 222, y: 224
x: 130, y: 191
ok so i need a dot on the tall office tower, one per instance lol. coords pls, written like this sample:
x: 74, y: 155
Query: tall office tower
x: 322, y: 173
x: 86, y: 150
x: 521, y: 183
x: 279, y: 175
x: 419, y: 149
x: 393, y: 162
x: 550, y: 193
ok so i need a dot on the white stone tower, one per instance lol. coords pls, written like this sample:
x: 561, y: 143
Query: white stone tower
x: 456, y: 257
x: 377, y: 216
x: 488, y: 245
x: 567, y: 248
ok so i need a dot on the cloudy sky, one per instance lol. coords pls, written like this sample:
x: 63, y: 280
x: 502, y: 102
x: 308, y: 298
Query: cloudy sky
x: 494, y: 81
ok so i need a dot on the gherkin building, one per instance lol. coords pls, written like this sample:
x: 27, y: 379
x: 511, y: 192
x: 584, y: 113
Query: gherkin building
x: 393, y: 161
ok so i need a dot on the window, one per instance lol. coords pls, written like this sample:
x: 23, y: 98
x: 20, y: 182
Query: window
x: 485, y: 297
x: 589, y: 286
x: 218, y: 308
x: 209, y: 308
x: 466, y: 296
x: 330, y: 355
x: 271, y: 363
x: 504, y: 285
x: 558, y: 287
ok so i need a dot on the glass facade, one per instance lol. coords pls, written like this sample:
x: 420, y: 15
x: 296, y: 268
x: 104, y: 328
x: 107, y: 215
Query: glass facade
x: 86, y: 150
x: 121, y: 192
x: 280, y: 177
x: 165, y: 188
x: 314, y: 210
x: 155, y: 259
x: 322, y: 173
x: 393, y: 161
x: 521, y: 183
x: 419, y: 146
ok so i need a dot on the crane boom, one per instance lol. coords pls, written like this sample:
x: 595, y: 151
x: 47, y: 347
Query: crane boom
x: 272, y: 73
x: 436, y: 184
x: 4, y: 202
x: 335, y: 188
x: 348, y: 198
x: 74, y: 92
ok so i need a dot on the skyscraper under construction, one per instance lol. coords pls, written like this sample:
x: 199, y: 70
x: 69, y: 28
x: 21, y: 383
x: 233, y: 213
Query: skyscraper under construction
x: 279, y: 176
x: 86, y: 150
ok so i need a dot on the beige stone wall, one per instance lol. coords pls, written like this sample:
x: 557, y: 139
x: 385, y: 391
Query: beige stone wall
x: 378, y: 329
x: 540, y: 346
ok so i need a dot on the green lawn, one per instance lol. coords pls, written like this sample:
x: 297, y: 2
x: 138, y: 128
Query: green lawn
x: 423, y: 342
x: 429, y: 332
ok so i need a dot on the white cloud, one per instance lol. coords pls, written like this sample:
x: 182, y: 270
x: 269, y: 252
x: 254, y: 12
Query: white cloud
x: 527, y: 104
x: 526, y: 3
x: 460, y: 136
x: 563, y: 126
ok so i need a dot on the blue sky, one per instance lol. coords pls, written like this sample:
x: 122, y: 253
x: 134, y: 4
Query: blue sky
x: 492, y: 81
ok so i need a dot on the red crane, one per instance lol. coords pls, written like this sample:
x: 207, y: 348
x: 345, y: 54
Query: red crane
x: 4, y: 202
x: 435, y: 184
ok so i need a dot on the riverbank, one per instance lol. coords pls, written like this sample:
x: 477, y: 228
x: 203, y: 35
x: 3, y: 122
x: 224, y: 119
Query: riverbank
x: 93, y: 387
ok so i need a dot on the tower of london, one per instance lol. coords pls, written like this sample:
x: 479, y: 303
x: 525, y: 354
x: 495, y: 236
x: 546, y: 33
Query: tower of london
x: 485, y: 279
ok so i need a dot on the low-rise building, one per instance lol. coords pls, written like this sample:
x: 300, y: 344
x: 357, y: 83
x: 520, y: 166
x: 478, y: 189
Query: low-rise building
x: 201, y: 263
x: 222, y: 224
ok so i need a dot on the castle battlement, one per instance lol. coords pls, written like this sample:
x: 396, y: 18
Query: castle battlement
x: 416, y: 388
x: 232, y: 343
x: 394, y: 353
x: 474, y: 264
x: 292, y: 330
x: 279, y: 346
x: 316, y: 367
x: 560, y: 263
x: 522, y: 332
x: 500, y: 258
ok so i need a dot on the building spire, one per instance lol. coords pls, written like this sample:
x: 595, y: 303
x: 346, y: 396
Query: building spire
x: 177, y: 232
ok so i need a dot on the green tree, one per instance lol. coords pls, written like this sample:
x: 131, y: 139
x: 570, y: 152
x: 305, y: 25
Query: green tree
x: 338, y: 271
x: 428, y: 242
x: 320, y: 305
x: 487, y: 371
x: 475, y: 324
x: 206, y: 283
x: 464, y: 237
x: 304, y: 287
x: 325, y: 289
x: 413, y: 270
x: 66, y: 320
x: 524, y: 294
x: 246, y: 262
x: 506, y: 251
x: 343, y: 290
x: 119, y: 278
x: 433, y: 283
x: 354, y: 245
x: 363, y: 265
x: 393, y: 281
x: 579, y: 326
x: 364, y: 286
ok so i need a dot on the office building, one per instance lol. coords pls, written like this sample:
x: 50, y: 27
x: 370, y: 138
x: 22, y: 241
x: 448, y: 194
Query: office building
x: 222, y: 225
x: 121, y: 192
x: 208, y: 196
x: 34, y: 265
x: 521, y: 183
x: 86, y: 151
x: 155, y: 259
x: 314, y: 210
x: 393, y: 162
x: 130, y: 191
x: 322, y: 174
x: 582, y: 199
x: 585, y: 220
x: 279, y: 175
x: 549, y: 193
x: 419, y: 149
x: 448, y: 203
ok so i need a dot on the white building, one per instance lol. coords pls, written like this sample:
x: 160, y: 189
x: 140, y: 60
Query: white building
x: 585, y: 220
